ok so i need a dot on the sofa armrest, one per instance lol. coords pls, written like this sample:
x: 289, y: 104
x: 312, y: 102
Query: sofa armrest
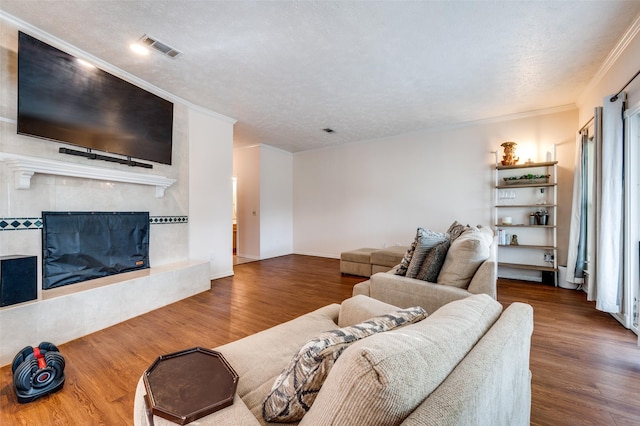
x: 236, y: 414
x: 406, y: 292
x: 361, y: 308
x: 485, y: 278
x: 362, y: 288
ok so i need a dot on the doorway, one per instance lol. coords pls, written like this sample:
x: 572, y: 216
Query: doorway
x: 235, y: 215
x: 237, y: 260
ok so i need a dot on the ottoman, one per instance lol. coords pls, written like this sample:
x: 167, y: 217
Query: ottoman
x: 357, y: 262
x: 385, y: 259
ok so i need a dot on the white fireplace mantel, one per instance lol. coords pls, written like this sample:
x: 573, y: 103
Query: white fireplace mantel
x: 24, y: 167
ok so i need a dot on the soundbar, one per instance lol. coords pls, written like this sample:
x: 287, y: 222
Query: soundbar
x: 93, y: 156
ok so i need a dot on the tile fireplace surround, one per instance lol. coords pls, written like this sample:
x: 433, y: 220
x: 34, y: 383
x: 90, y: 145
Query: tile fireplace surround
x: 36, y: 184
x: 69, y: 312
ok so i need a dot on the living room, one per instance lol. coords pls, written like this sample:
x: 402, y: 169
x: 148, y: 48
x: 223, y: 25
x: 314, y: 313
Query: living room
x: 370, y: 192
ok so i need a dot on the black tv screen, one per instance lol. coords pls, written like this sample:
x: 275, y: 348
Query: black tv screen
x: 64, y: 99
x: 80, y: 246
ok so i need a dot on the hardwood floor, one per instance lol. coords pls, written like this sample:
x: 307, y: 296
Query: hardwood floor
x: 585, y: 366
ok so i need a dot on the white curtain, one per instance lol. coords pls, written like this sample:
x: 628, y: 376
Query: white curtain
x: 592, y: 290
x: 611, y: 209
x: 577, y: 214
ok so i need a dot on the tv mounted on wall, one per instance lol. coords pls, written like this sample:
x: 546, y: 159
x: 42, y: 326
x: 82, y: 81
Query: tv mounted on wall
x: 64, y: 99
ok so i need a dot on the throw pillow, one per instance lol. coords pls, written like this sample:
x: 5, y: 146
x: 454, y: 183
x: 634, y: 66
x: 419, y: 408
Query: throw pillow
x: 426, y: 241
x: 297, y: 386
x: 456, y: 229
x: 433, y: 262
x: 465, y: 256
x: 404, y: 263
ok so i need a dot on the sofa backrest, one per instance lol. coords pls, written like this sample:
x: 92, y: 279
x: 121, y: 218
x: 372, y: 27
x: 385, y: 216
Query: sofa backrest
x: 382, y: 379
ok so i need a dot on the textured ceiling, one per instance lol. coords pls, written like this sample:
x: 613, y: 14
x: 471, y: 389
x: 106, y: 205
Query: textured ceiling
x: 285, y: 70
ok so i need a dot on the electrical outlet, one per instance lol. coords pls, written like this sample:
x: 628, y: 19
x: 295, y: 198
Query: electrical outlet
x: 548, y: 257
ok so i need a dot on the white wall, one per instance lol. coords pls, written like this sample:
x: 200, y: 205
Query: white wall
x: 376, y: 193
x: 276, y: 202
x: 211, y: 191
x: 264, y: 210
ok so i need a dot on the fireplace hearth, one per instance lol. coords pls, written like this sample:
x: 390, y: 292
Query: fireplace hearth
x: 80, y: 246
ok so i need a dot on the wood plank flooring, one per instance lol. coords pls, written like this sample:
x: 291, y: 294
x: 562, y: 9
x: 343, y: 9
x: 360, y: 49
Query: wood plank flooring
x: 585, y: 366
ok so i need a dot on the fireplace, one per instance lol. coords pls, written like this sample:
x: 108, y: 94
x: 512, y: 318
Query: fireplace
x: 80, y: 246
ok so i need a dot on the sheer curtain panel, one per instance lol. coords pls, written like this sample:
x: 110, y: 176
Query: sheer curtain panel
x: 577, y: 231
x: 611, y: 218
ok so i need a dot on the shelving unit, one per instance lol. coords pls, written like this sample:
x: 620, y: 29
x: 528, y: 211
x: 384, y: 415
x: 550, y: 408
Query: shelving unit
x: 537, y: 248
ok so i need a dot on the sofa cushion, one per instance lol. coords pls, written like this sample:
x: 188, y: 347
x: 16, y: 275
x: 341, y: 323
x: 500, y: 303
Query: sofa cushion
x: 361, y: 255
x: 389, y: 256
x: 297, y: 386
x: 433, y: 262
x: 258, y: 370
x: 380, y: 380
x: 466, y: 254
x: 426, y: 241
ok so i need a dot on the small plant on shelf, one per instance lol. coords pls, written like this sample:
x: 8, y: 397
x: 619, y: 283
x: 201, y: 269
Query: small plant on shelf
x: 526, y: 179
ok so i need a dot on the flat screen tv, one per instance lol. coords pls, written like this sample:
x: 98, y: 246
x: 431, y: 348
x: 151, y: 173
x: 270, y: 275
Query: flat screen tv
x: 64, y: 99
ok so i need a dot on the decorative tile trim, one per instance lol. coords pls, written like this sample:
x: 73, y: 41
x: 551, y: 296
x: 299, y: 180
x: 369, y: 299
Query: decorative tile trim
x: 26, y: 223
x: 167, y: 220
x: 20, y: 223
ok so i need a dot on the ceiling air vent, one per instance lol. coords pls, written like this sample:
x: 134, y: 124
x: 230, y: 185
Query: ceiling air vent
x: 159, y: 46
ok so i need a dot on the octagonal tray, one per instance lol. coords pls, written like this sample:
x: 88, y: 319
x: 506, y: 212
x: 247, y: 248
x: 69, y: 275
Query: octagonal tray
x: 187, y: 385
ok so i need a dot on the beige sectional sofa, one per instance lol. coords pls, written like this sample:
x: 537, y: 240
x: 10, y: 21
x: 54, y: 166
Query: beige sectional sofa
x: 402, y: 291
x: 466, y: 363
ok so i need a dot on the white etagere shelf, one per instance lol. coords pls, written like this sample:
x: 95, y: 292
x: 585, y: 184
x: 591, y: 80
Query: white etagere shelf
x: 536, y: 247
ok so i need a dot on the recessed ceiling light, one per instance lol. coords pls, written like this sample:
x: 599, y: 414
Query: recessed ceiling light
x: 139, y: 49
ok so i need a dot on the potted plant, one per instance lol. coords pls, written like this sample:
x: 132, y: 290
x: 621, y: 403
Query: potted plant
x: 526, y: 179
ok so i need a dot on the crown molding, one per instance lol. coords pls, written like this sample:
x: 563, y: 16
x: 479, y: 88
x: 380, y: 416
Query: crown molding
x: 518, y: 115
x: 612, y: 58
x: 106, y: 66
x: 460, y: 125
